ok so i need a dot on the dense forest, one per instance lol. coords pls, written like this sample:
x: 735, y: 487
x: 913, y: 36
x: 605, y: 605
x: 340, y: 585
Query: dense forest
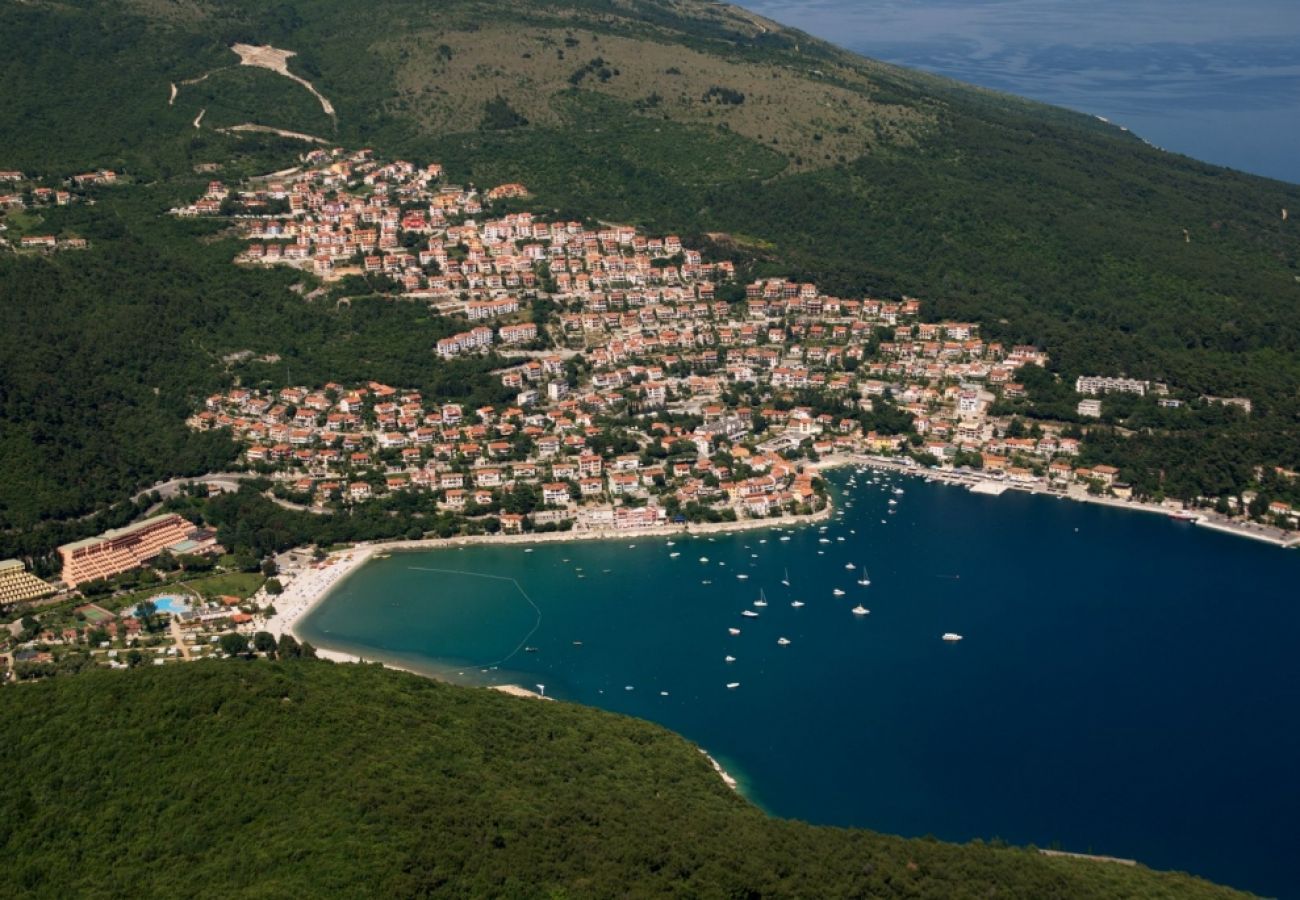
x: 303, y: 778
x: 1043, y: 225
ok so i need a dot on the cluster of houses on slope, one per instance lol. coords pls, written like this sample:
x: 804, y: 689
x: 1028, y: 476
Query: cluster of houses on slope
x: 18, y: 192
x: 356, y: 442
x: 645, y: 313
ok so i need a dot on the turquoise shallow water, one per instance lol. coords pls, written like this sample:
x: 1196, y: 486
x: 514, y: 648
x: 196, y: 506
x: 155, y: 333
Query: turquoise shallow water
x: 1127, y: 684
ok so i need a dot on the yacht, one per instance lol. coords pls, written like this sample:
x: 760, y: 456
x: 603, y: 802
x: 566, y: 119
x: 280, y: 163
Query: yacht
x: 860, y: 610
x: 784, y: 642
x: 733, y: 631
x: 674, y: 555
x: 823, y: 540
x: 893, y: 502
x: 729, y: 659
x: 785, y: 537
x: 732, y: 685
x: 742, y: 576
x: 951, y: 637
x: 898, y: 491
x: 750, y: 614
x: 850, y: 566
x: 704, y: 559
x: 837, y: 592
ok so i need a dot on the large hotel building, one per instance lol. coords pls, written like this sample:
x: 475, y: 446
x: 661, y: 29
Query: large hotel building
x: 122, y: 549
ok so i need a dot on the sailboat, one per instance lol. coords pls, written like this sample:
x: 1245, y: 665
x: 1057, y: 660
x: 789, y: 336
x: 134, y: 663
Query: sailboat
x: 864, y: 580
x: 786, y: 580
x: 761, y: 601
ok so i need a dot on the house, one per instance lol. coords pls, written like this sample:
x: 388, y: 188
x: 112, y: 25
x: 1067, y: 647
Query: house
x: 555, y: 493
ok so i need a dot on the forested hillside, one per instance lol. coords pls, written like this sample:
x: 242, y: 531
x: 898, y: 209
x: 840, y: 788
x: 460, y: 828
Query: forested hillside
x: 312, y: 779
x: 748, y: 139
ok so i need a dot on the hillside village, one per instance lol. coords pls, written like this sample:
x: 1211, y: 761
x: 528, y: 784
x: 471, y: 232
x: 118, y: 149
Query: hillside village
x: 647, y: 338
x: 601, y: 327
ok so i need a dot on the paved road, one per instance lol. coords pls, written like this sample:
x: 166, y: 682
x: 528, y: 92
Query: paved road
x: 225, y: 480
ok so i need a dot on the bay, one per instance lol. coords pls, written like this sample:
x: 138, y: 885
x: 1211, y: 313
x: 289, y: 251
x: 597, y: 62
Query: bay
x: 1127, y: 684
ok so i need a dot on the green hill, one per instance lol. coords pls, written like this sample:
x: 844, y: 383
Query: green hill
x: 312, y: 779
x: 685, y: 116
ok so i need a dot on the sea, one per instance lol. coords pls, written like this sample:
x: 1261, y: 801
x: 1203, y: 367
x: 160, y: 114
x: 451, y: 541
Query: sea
x: 1216, y: 81
x: 1126, y: 684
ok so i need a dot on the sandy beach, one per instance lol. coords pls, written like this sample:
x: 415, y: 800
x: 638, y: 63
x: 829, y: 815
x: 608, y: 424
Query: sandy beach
x: 310, y: 586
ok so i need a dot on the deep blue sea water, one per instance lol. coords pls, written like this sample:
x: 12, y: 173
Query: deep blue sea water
x: 1127, y: 684
x: 1216, y: 81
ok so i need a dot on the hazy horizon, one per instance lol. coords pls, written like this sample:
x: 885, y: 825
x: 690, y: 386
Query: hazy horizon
x: 1219, y: 84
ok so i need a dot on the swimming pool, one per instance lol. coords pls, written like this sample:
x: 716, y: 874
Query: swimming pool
x: 170, y: 604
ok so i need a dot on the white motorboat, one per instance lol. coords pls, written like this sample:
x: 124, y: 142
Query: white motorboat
x: 951, y: 637
x: 784, y: 642
x: 750, y: 614
x: 796, y: 603
x: 732, y: 685
x: 837, y: 592
x: 733, y: 631
x: 861, y: 610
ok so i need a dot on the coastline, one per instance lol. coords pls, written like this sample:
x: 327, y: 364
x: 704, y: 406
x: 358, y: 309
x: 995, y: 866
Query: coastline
x: 312, y: 586
x: 971, y: 480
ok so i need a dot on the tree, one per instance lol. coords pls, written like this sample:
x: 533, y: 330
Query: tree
x: 270, y: 568
x: 288, y: 647
x: 134, y: 658
x: 233, y: 643
x: 146, y: 612
x: 264, y: 642
x: 274, y: 587
x: 308, y: 651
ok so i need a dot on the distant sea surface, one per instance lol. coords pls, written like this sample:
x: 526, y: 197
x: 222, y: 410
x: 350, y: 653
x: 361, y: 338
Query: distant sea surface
x: 1216, y: 81
x: 1127, y: 684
